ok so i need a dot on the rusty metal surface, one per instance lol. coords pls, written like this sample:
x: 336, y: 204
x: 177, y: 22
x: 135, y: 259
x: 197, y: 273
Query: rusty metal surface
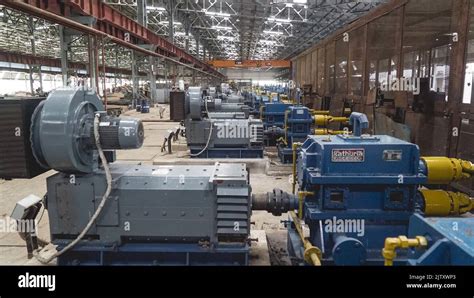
x: 384, y: 125
x: 431, y: 116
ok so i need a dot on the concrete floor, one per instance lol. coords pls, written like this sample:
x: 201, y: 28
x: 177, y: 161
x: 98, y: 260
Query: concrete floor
x: 265, y: 175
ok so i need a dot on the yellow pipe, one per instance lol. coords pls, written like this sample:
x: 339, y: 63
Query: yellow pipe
x: 295, y: 147
x: 444, y: 170
x: 392, y: 244
x: 312, y: 254
x: 282, y: 140
x: 325, y: 131
x: 446, y: 203
x: 324, y: 120
x: 301, y: 196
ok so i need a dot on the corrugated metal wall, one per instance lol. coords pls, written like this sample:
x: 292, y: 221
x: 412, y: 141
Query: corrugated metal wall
x: 427, y: 40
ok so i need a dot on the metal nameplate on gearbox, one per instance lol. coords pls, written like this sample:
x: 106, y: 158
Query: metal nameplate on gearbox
x: 348, y: 155
x: 392, y: 155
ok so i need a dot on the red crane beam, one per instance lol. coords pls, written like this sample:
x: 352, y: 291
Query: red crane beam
x: 21, y: 58
x: 110, y: 22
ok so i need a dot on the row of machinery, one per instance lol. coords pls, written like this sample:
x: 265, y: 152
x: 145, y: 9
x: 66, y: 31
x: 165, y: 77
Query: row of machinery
x: 102, y: 213
x: 283, y: 123
x: 286, y: 124
x: 216, y: 129
x: 357, y: 200
x: 372, y: 200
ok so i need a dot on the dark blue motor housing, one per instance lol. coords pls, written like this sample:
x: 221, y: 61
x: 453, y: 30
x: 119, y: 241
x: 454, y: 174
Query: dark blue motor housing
x: 274, y: 114
x: 299, y: 124
x: 364, y: 191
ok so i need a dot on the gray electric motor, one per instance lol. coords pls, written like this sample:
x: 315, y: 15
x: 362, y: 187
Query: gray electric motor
x: 62, y: 136
x: 174, y: 215
x: 230, y: 130
x: 200, y: 106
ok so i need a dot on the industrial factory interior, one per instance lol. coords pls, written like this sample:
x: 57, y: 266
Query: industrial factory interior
x: 236, y: 133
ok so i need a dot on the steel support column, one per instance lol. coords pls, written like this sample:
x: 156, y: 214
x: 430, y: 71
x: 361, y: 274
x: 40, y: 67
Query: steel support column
x: 93, y: 55
x: 142, y: 13
x: 187, y: 28
x: 135, y: 81
x: 116, y: 65
x: 152, y: 79
x: 64, y: 40
x: 166, y: 71
x: 171, y: 20
x: 34, y: 67
x: 197, y: 46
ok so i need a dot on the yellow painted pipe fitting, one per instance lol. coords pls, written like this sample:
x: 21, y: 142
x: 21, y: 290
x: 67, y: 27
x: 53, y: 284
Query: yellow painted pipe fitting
x: 389, y: 251
x: 444, y: 170
x: 282, y: 140
x: 446, y: 203
x: 312, y: 254
x: 326, y: 131
x: 467, y: 166
x: 325, y: 120
x: 301, y: 196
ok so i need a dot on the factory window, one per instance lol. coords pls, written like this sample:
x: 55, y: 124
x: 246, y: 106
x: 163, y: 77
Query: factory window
x: 372, y: 74
x: 387, y: 71
x: 425, y: 64
x: 427, y: 30
x: 410, y: 64
x: 469, y: 75
x: 393, y: 67
x: 383, y: 72
x: 321, y: 71
x: 356, y: 56
x: 342, y: 49
x: 440, y: 68
x: 383, y: 47
x: 330, y: 67
x: 468, y: 95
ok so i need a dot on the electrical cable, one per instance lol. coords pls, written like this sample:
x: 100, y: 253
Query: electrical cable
x: 108, y: 176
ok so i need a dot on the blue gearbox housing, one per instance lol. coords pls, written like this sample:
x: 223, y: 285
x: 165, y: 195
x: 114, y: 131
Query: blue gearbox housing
x: 274, y: 114
x: 299, y: 121
x: 369, y: 182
